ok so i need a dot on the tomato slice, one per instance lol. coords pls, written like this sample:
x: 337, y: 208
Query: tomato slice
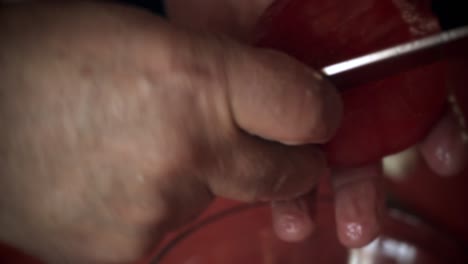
x: 381, y: 117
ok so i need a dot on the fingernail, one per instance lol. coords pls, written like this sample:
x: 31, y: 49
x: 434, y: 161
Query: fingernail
x: 291, y: 219
x: 357, y: 213
x: 354, y: 231
x: 346, y: 212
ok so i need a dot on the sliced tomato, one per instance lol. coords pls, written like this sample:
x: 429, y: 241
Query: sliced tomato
x: 381, y: 117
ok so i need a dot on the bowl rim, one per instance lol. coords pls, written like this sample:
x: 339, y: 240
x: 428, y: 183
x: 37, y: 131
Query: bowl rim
x: 396, y: 214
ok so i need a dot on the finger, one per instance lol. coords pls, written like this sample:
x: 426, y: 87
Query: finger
x: 265, y: 93
x: 445, y: 149
x: 277, y: 98
x: 293, y: 220
x: 233, y: 89
x: 251, y: 169
x: 358, y: 204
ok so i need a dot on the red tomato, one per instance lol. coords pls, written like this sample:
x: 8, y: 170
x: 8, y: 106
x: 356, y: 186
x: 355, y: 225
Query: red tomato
x: 381, y: 117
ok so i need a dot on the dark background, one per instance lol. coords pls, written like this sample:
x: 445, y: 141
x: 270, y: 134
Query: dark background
x: 156, y: 6
x: 452, y: 13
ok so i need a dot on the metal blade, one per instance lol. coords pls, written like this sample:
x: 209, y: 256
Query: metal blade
x: 387, y: 62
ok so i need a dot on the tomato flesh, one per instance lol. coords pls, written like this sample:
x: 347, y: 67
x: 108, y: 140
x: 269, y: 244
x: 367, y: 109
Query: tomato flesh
x: 381, y: 117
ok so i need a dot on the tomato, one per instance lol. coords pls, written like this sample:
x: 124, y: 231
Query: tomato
x: 381, y: 117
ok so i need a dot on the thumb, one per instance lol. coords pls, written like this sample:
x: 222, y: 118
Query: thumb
x: 277, y: 98
x: 269, y: 94
x: 233, y: 90
x: 238, y: 91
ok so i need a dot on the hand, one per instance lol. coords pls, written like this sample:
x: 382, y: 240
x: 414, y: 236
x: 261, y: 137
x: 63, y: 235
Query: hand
x: 118, y: 127
x: 358, y: 198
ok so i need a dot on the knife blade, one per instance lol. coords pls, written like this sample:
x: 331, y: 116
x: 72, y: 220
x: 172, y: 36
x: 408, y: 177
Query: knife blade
x: 390, y: 61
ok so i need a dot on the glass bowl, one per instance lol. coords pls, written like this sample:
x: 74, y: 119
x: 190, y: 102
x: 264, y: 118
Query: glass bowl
x: 243, y: 234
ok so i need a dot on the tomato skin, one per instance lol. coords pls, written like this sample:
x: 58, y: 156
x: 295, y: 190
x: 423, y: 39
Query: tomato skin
x: 381, y: 117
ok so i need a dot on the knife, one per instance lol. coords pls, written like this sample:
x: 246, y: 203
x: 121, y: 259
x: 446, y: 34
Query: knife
x: 390, y: 61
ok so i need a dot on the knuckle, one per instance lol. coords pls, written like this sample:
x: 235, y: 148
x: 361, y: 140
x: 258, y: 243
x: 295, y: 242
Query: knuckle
x: 270, y: 179
x: 296, y: 177
x: 253, y: 177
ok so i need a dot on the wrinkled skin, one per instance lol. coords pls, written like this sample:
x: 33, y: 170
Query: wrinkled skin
x: 357, y: 190
x: 108, y: 145
x: 118, y: 127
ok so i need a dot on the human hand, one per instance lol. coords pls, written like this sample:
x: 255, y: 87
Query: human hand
x: 357, y: 192
x: 118, y: 127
